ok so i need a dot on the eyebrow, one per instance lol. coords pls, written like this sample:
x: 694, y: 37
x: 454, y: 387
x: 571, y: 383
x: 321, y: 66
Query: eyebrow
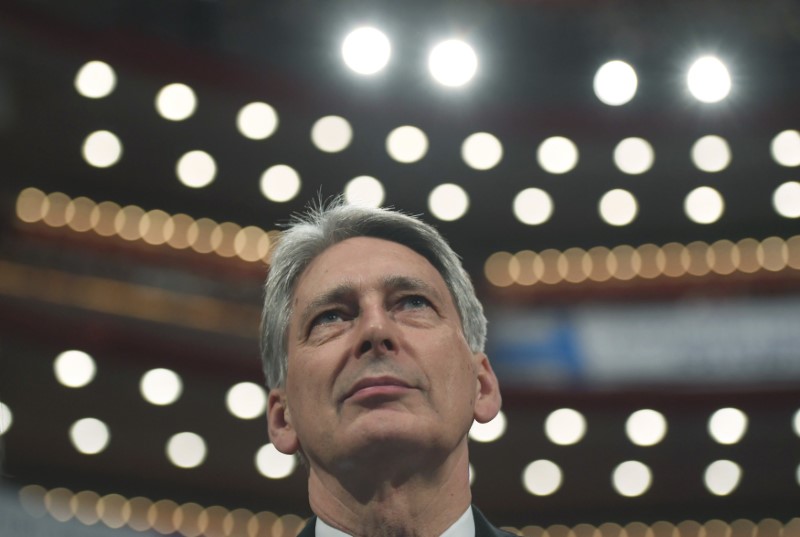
x: 341, y: 292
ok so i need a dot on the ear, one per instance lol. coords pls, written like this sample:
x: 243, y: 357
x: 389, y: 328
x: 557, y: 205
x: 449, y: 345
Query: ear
x: 279, y: 421
x: 488, y: 400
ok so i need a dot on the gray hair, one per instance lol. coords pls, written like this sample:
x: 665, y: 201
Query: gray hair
x: 311, y: 233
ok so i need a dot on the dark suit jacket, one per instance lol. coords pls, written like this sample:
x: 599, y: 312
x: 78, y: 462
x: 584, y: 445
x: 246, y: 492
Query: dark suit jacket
x: 482, y: 527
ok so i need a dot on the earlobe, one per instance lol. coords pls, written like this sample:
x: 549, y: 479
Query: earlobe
x: 279, y: 421
x: 488, y: 400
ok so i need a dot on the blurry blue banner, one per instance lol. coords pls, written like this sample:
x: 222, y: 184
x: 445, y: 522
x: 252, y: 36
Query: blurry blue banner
x: 685, y: 342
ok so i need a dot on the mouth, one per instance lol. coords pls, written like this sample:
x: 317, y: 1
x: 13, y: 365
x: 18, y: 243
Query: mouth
x: 370, y: 386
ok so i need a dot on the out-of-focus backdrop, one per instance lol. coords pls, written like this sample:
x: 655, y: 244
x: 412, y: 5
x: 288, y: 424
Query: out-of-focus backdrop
x: 620, y: 177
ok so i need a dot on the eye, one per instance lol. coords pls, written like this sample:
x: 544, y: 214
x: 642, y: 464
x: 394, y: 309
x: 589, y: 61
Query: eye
x: 327, y: 317
x: 415, y: 302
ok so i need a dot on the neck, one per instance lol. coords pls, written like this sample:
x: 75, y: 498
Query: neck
x: 420, y: 496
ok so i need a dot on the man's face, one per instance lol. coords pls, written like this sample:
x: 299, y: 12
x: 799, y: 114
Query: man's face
x: 377, y: 359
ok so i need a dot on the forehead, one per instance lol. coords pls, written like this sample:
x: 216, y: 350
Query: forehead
x: 361, y: 261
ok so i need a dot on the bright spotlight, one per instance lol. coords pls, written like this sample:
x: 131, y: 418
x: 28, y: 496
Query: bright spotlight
x: 709, y: 80
x: 452, y: 63
x: 615, y: 83
x: 95, y: 80
x: 366, y: 50
x: 448, y: 202
x: 704, y: 205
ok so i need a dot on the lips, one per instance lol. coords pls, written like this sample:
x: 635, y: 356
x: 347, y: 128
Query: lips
x: 377, y: 383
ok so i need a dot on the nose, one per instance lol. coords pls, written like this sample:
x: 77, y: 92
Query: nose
x: 378, y: 334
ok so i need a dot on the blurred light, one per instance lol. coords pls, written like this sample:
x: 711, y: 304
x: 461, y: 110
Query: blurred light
x: 652, y: 260
x: 257, y: 121
x: 176, y: 102
x: 490, y: 431
x: 161, y: 386
x: 551, y: 273
x: 646, y: 427
x: 407, y: 144
x: 482, y: 151
x: 95, y: 79
x: 331, y: 134
x: 196, y: 169
x: 618, y: 207
x: 251, y: 243
x: 533, y: 206
x: 186, y: 450
x: 74, y: 369
x: 624, y: 262
x: 199, y: 235
x: 452, y: 63
x: 273, y: 464
x: 565, y: 426
x: 161, y: 516
x: 496, y: 269
x: 180, y: 224
x: 530, y: 267
x: 724, y: 257
x: 704, y: 205
x: 634, y: 156
x: 89, y: 435
x: 448, y: 202
x: 111, y: 510
x: 57, y: 502
x: 786, y: 199
x: 280, y: 183
x: 136, y: 513
x: 79, y: 214
x: 187, y: 520
x: 727, y: 425
x: 631, y: 478
x: 711, y: 153
x: 557, y: 155
x: 796, y: 423
x: 615, y: 83
x: 571, y: 264
x: 722, y: 477
x: 32, y: 500
x: 6, y: 418
x: 104, y: 215
x: 364, y: 190
x: 222, y: 239
x: 56, y: 215
x: 785, y: 148
x: 542, y: 477
x: 84, y: 505
x: 32, y: 205
x: 236, y: 522
x: 596, y: 260
x: 102, y: 149
x: 366, y: 50
x: 773, y: 254
x: 698, y: 258
x: 128, y: 222
x: 246, y: 400
x: 153, y: 227
x: 709, y: 80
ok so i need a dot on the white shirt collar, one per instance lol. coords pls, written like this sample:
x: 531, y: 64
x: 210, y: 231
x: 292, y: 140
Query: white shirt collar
x: 463, y: 527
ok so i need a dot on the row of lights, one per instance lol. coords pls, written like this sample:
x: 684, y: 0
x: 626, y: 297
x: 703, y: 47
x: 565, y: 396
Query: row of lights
x: 163, y: 516
x: 647, y: 261
x: 193, y: 520
x: 155, y: 227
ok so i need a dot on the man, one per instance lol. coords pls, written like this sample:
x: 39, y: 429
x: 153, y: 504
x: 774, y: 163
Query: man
x: 373, y: 351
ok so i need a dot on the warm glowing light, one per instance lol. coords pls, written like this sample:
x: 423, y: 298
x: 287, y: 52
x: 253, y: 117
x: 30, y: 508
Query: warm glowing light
x: 785, y: 148
x: 722, y: 477
x: 615, y: 83
x: 111, y: 510
x: 6, y: 418
x: 246, y: 400
x: 179, y: 235
x: 200, y: 234
x: 796, y: 423
x: 704, y: 205
x: 273, y: 464
x: 773, y: 254
x: 161, y: 386
x: 74, y: 369
x: 530, y: 267
x: 196, y: 169
x: 364, y: 190
x: 89, y: 436
x: 631, y: 478
x: 533, y: 206
x: 186, y: 450
x: 453, y: 63
x: 161, y: 517
x: 280, y: 183
x: 448, y: 202
x: 786, y: 199
x: 709, y: 80
x: 490, y: 431
x: 557, y: 155
x: 79, y: 214
x: 153, y: 227
x: 496, y: 269
x: 727, y: 425
x: 57, y: 502
x: 331, y: 134
x: 128, y: 221
x: 103, y: 216
x: 56, y: 215
x: 366, y: 50
x: 95, y: 79
x: 646, y: 427
x: 618, y: 207
x: 542, y: 477
x: 257, y: 121
x: 176, y: 102
x: 482, y: 151
x: 634, y: 156
x: 711, y: 153
x: 32, y: 205
x: 407, y: 144
x: 565, y: 427
x: 102, y: 149
x: 84, y: 505
x: 723, y: 257
x: 251, y: 243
